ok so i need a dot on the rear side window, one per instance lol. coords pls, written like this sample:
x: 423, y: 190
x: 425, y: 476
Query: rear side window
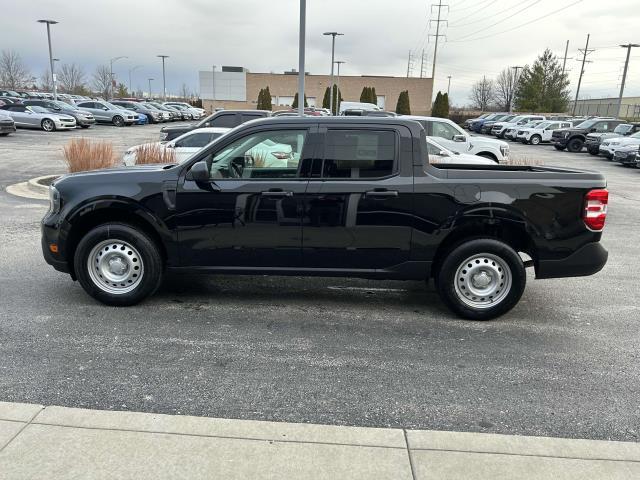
x: 197, y: 140
x: 228, y: 121
x: 359, y: 154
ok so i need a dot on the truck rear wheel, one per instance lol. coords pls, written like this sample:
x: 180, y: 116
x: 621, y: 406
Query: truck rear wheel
x: 117, y: 264
x: 481, y: 279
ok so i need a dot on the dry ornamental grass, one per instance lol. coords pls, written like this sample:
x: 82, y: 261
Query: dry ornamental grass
x: 154, y: 153
x: 81, y: 155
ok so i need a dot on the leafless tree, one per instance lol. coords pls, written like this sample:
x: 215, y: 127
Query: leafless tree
x: 482, y: 93
x: 505, y: 88
x: 71, y: 77
x: 46, y: 82
x: 13, y: 72
x: 185, y: 94
x: 102, y: 80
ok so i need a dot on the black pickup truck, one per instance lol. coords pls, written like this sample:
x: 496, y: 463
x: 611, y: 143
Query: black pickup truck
x: 222, y: 118
x: 349, y: 196
x: 574, y: 138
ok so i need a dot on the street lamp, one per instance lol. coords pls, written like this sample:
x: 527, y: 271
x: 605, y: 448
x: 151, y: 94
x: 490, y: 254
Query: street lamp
x: 338, y: 63
x: 111, y: 62
x: 53, y: 74
x: 150, y: 87
x: 132, y: 70
x: 164, y: 84
x: 333, y: 49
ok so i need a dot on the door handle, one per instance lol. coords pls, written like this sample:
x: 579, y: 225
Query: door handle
x: 381, y: 193
x: 276, y: 193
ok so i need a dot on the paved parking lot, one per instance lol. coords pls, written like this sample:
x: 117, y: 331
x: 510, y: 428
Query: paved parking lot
x: 564, y: 362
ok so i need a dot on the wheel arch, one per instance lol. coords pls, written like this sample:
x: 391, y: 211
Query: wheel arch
x: 106, y: 211
x: 512, y: 231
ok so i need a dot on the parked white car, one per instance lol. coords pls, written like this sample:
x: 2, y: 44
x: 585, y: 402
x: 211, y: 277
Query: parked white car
x: 511, y: 133
x: 609, y: 146
x: 440, y: 154
x: 450, y: 135
x: 357, y: 106
x: 196, y: 112
x: 499, y: 128
x: 183, y: 146
x: 541, y: 132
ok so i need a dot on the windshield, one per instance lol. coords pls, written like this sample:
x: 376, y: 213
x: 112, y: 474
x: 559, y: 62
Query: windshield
x: 623, y: 128
x: 215, y: 137
x: 541, y: 124
x: 635, y: 135
x: 508, y: 118
x: 63, y: 106
x: 148, y: 106
x: 586, y: 124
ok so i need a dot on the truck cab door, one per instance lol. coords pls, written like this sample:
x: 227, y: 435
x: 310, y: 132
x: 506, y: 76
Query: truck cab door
x: 359, y: 202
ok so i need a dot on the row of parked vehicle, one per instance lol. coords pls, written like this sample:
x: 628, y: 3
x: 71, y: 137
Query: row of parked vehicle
x: 72, y: 111
x: 610, y: 137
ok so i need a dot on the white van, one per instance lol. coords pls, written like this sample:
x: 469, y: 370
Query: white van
x: 357, y: 106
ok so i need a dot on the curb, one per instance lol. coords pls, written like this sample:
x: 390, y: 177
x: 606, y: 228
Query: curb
x: 32, y: 188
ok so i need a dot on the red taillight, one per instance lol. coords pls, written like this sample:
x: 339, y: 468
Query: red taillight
x: 595, y: 209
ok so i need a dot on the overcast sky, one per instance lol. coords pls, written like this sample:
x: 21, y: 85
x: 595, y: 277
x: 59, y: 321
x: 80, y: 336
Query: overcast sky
x: 262, y: 35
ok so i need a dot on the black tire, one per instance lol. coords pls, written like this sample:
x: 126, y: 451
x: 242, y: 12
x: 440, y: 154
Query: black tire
x: 535, y: 139
x: 558, y: 147
x: 609, y: 157
x: 48, y: 125
x: 593, y: 151
x: 4, y: 134
x: 85, y: 126
x: 118, y: 121
x: 575, y: 145
x: 488, y: 251
x: 146, y: 256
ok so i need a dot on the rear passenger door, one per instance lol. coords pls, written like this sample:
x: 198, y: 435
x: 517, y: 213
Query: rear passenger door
x: 358, y: 206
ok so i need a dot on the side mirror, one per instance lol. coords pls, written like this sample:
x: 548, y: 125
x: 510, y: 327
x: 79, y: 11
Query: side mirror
x: 459, y: 138
x: 593, y: 129
x: 443, y: 153
x: 199, y: 172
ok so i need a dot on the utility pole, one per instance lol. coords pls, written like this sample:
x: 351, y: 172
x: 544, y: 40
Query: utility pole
x: 585, y: 52
x: 410, y: 64
x: 437, y: 35
x: 515, y: 82
x: 564, y: 63
x: 338, y: 63
x: 51, y: 64
x: 422, y: 64
x: 301, y: 51
x: 628, y: 46
x: 333, y: 51
x: 132, y: 70
x: 213, y: 87
x: 449, y: 85
x: 164, y: 82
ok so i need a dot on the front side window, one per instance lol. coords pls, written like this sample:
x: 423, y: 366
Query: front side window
x: 444, y: 130
x: 197, y: 140
x: 273, y: 154
x: 359, y: 154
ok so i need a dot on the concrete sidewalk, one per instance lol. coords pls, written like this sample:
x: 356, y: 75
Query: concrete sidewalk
x: 38, y: 442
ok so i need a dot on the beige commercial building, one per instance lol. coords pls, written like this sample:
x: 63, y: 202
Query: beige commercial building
x: 629, y: 107
x: 235, y: 87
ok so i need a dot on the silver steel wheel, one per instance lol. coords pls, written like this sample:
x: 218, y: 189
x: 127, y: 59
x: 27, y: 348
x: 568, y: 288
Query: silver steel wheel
x: 48, y: 125
x: 483, y: 281
x: 535, y: 140
x: 115, y: 266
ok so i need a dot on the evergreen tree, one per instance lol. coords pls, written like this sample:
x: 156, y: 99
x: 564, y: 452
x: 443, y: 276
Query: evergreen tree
x: 436, y: 109
x: 268, y: 103
x: 295, y: 101
x: 543, y: 87
x: 374, y: 96
x: 403, y: 106
x: 260, y: 103
x: 326, y: 98
x: 364, y: 96
x: 122, y: 91
x: 445, y: 105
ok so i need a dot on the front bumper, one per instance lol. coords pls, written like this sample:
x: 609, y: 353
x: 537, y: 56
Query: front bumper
x: 60, y: 125
x: 560, y: 142
x: 626, y: 158
x: 589, y: 259
x: 49, y: 237
x: 7, y: 128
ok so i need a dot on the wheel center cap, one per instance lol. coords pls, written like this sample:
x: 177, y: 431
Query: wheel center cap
x: 117, y: 266
x: 481, y: 280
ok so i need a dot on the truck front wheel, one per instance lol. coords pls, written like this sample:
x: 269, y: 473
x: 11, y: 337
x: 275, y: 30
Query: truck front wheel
x: 575, y: 145
x: 481, y: 279
x: 118, y: 264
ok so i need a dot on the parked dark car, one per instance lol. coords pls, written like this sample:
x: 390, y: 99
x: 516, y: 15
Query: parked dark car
x: 476, y: 125
x: 573, y: 139
x: 593, y: 140
x: 152, y: 113
x: 7, y: 125
x: 223, y: 118
x: 83, y: 119
x: 362, y: 194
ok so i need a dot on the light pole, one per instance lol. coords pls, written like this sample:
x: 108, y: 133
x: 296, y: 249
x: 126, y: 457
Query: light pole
x: 53, y: 73
x: 333, y: 50
x: 111, y: 62
x: 448, y: 85
x: 132, y: 70
x: 338, y: 63
x: 301, y: 51
x: 213, y: 88
x: 164, y: 84
x: 150, y: 87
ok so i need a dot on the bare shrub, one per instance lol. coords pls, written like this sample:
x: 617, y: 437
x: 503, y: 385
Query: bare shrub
x: 524, y: 160
x: 81, y: 155
x: 154, y: 153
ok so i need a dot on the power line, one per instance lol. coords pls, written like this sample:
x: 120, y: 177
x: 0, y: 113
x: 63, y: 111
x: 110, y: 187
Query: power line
x: 500, y: 21
x: 477, y: 11
x: 437, y: 35
x: 473, y: 22
x: 523, y: 24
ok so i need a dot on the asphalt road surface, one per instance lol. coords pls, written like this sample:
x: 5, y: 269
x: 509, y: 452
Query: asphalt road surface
x: 564, y: 362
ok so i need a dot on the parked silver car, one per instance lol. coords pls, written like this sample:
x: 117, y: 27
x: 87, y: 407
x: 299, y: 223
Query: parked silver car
x: 104, y: 112
x: 33, y: 116
x: 7, y: 125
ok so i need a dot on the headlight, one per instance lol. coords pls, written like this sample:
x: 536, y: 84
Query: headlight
x: 565, y: 134
x: 163, y: 135
x: 504, y: 150
x: 54, y: 200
